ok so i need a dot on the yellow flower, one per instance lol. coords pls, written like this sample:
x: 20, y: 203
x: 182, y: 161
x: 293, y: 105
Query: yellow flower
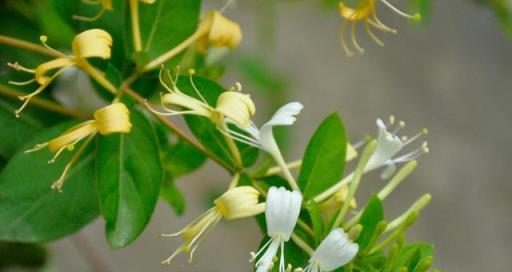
x: 232, y: 104
x: 106, y: 5
x: 114, y: 118
x: 240, y: 202
x: 218, y: 31
x: 88, y: 44
x: 365, y: 12
x: 214, y: 30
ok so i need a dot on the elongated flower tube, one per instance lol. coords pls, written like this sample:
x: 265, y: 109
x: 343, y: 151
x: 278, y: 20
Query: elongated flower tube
x: 335, y: 251
x: 114, y: 118
x: 389, y: 144
x: 281, y: 214
x: 213, y: 30
x: 365, y: 12
x: 263, y: 137
x: 236, y: 203
x: 231, y: 105
x: 93, y: 43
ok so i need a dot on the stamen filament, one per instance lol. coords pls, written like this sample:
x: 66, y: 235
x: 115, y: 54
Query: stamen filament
x: 415, y: 16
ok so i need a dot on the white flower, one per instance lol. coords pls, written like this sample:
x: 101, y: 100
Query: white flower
x: 281, y: 214
x: 335, y: 251
x: 263, y: 138
x: 389, y: 144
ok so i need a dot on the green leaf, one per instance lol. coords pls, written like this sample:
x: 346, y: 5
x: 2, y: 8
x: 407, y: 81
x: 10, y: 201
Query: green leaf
x: 315, y: 215
x: 324, y: 159
x: 22, y: 255
x: 181, y: 158
x: 411, y: 255
x: 29, y: 209
x: 15, y: 132
x: 129, y: 175
x: 372, y: 215
x: 173, y: 196
x: 205, y: 131
x: 163, y: 25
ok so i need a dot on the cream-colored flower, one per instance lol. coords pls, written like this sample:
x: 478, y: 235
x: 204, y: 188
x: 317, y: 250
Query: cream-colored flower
x: 218, y: 31
x: 232, y: 105
x: 236, y: 203
x: 365, y: 12
x: 213, y: 30
x: 93, y: 43
x: 114, y: 118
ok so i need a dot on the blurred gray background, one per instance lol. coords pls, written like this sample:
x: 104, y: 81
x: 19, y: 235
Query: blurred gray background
x: 452, y: 76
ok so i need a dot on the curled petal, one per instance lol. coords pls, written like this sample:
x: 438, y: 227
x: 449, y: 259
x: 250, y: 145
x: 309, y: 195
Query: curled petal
x: 220, y: 32
x: 239, y: 202
x: 236, y: 106
x: 43, y: 69
x: 92, y: 43
x: 114, y: 118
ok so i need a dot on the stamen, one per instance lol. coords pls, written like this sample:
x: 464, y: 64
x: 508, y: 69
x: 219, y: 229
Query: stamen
x: 354, y: 40
x: 413, y: 138
x: 160, y: 78
x: 415, y: 16
x: 16, y: 66
x: 44, y: 39
x: 371, y: 34
x: 254, y: 256
x: 240, y: 137
x: 192, y: 72
x: 348, y: 52
x: 37, y: 147
x: 89, y: 19
x: 238, y: 86
x: 391, y: 119
x: 176, y: 252
x: 22, y: 83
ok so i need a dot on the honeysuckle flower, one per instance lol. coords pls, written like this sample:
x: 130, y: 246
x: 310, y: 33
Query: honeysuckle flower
x: 335, y: 251
x: 213, y: 30
x: 106, y: 5
x: 263, y: 137
x: 114, y: 118
x: 389, y: 144
x: 231, y: 105
x: 281, y: 214
x: 236, y: 203
x: 365, y: 12
x: 93, y: 43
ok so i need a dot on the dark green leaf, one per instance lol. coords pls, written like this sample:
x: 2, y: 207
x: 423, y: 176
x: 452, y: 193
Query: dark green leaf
x: 30, y: 210
x: 129, y: 175
x: 163, y: 25
x: 324, y: 159
x: 372, y: 215
x: 173, y: 196
x: 15, y: 132
x: 22, y: 255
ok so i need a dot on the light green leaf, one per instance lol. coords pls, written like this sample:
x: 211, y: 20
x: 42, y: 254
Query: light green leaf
x: 315, y: 215
x: 30, y: 210
x: 129, y: 175
x: 324, y: 159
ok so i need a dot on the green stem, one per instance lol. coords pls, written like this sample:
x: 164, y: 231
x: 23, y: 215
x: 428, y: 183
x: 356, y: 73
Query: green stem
x: 156, y: 63
x: 28, y: 46
x: 302, y: 244
x: 134, y: 14
x: 42, y: 103
x: 368, y: 151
